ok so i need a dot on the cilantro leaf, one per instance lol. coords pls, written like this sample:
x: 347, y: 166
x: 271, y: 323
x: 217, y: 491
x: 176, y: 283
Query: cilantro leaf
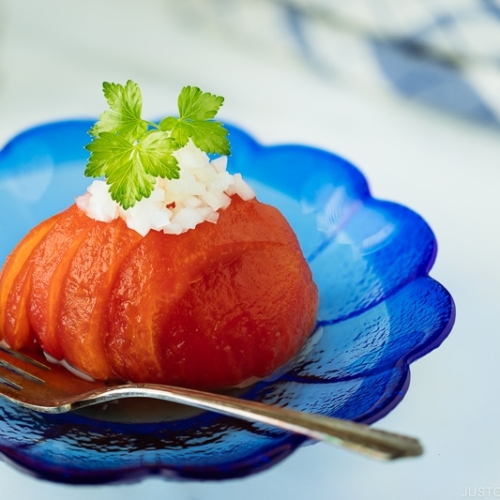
x: 210, y: 137
x: 124, y: 117
x: 196, y: 109
x: 131, y: 169
x: 197, y: 105
x: 131, y: 153
x: 155, y: 154
x: 107, y: 152
x: 178, y: 131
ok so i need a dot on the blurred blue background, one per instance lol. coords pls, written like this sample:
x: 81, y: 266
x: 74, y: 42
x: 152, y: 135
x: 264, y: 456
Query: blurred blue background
x: 408, y: 91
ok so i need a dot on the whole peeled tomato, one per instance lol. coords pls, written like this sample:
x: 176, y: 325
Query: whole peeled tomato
x: 211, y: 308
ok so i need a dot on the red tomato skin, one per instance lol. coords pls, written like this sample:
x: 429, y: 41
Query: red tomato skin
x: 211, y: 308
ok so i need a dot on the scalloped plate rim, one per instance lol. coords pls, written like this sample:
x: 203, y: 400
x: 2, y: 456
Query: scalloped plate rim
x: 293, y: 442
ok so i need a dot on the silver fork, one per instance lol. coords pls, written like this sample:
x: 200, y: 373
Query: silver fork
x: 32, y: 383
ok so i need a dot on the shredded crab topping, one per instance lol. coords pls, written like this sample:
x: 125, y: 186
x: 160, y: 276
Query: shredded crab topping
x: 175, y: 206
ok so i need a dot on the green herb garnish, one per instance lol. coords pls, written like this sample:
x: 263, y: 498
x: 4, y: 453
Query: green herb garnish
x: 131, y: 152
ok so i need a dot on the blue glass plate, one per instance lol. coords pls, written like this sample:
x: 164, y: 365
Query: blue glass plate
x: 379, y: 310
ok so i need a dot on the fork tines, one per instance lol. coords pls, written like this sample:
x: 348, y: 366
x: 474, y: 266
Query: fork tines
x: 17, y: 370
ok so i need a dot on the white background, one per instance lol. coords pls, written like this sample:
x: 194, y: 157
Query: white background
x: 54, y: 55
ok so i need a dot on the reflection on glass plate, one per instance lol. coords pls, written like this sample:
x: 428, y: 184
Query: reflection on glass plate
x: 379, y: 310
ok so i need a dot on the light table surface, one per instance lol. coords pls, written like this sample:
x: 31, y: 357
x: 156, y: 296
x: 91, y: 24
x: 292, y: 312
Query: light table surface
x: 54, y: 56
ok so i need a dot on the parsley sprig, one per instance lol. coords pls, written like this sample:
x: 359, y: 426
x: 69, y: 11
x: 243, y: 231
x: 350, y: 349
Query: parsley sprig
x: 131, y: 153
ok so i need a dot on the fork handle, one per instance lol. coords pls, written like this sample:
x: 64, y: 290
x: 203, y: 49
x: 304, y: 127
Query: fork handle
x: 355, y: 436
